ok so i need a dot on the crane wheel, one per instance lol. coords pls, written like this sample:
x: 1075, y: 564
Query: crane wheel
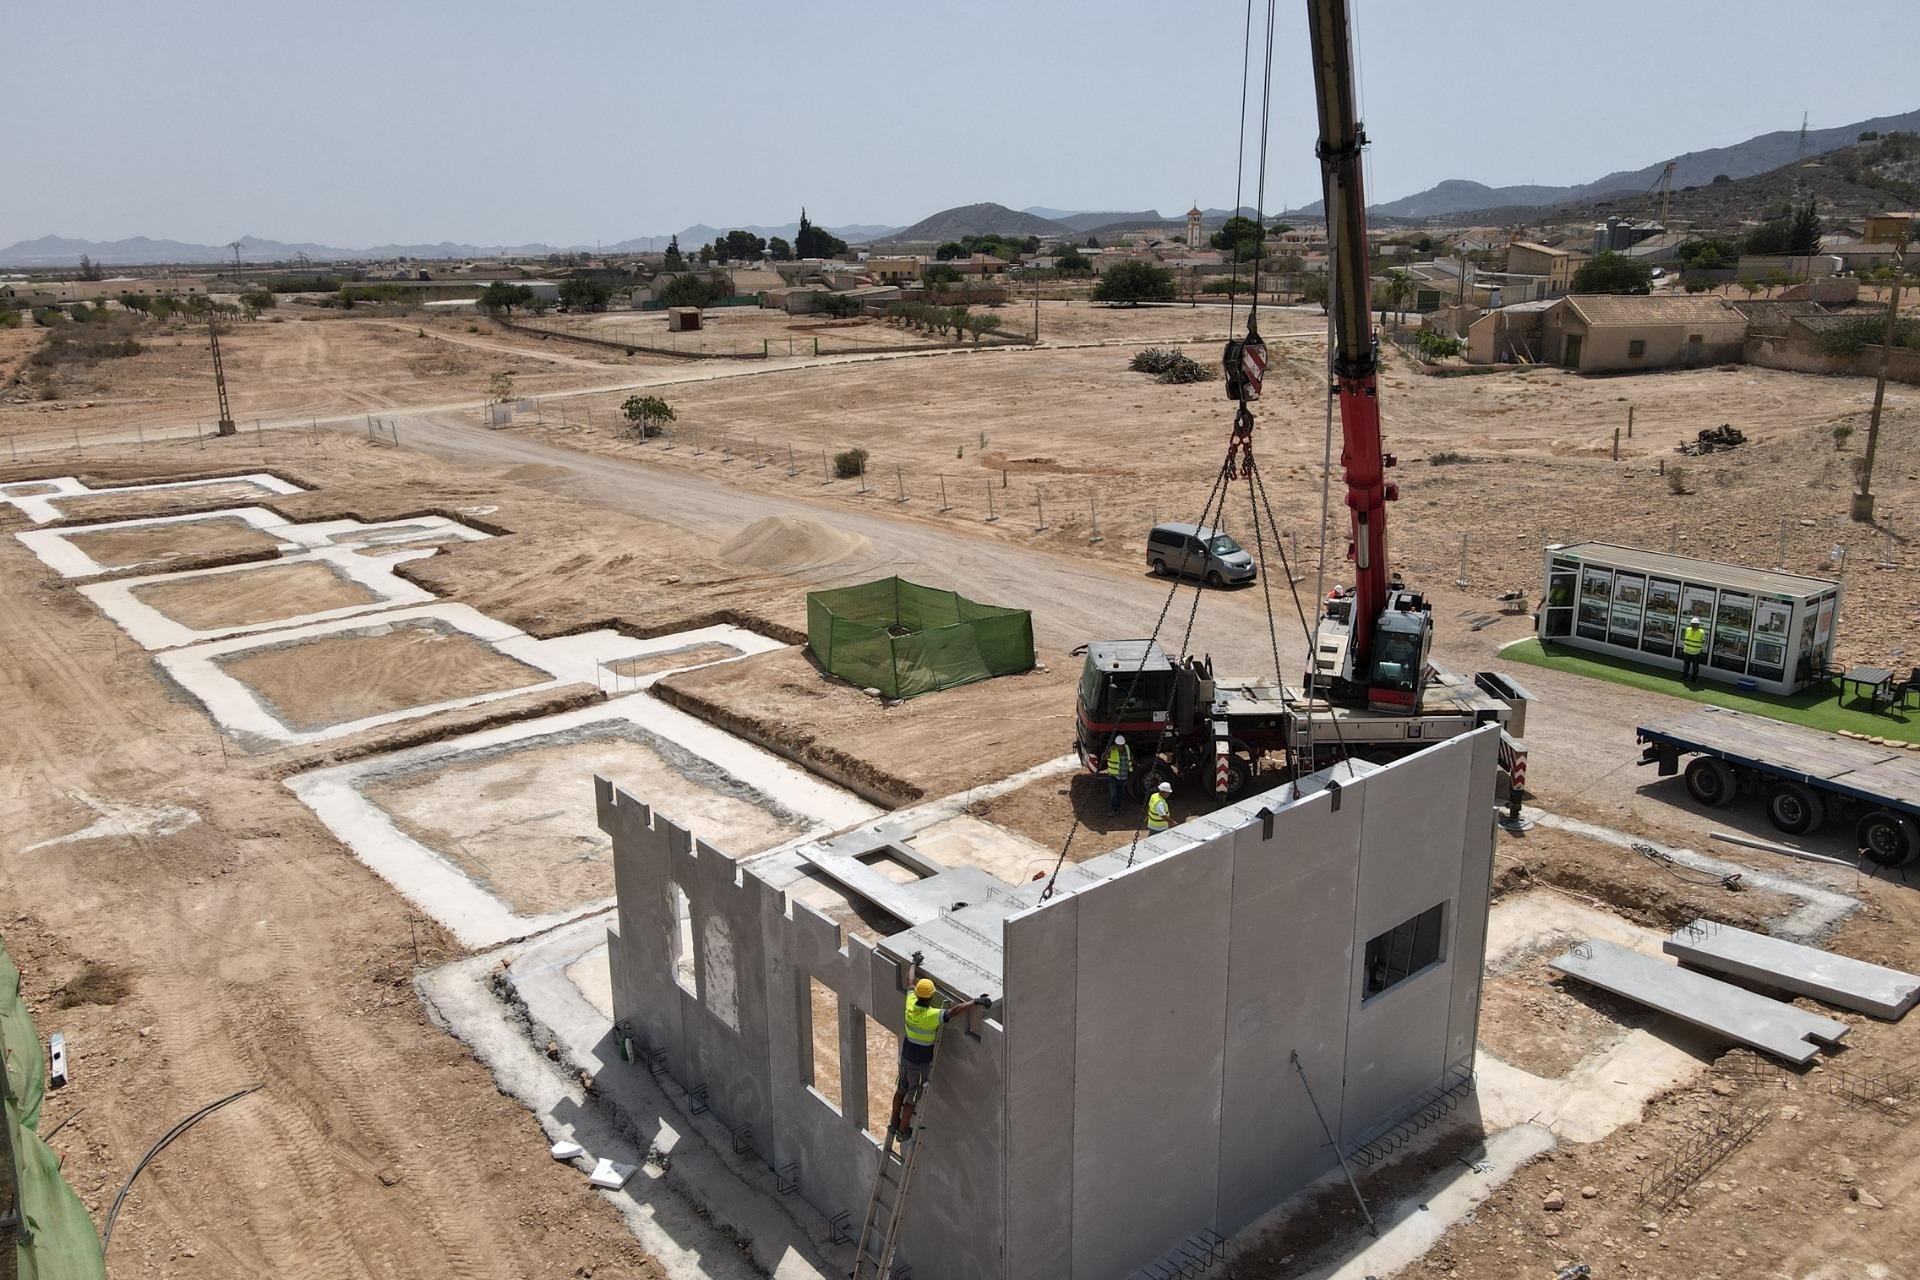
x: 1795, y: 808
x: 1887, y: 839
x: 1710, y: 781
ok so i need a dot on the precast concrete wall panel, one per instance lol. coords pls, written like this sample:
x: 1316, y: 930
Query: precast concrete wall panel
x: 1149, y: 1044
x: 1469, y: 944
x: 1042, y: 949
x: 1413, y: 818
x: 1289, y: 959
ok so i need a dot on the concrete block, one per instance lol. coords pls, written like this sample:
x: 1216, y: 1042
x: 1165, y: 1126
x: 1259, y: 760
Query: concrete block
x: 1741, y: 1016
x: 1805, y: 971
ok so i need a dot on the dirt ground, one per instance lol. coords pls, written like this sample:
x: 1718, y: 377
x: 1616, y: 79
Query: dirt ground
x: 326, y: 680
x: 184, y: 540
x: 265, y: 593
x: 898, y: 753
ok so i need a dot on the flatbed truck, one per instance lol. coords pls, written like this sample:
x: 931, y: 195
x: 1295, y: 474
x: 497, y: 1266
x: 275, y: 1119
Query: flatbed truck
x: 1803, y: 777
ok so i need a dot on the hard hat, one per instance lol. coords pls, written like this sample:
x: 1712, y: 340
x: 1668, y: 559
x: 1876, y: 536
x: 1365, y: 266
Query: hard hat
x: 1119, y: 739
x: 1166, y: 788
x: 924, y: 989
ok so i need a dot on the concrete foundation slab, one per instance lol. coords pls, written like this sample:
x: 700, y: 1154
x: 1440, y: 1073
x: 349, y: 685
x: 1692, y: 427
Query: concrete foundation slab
x: 1805, y: 971
x: 83, y: 551
x: 44, y: 500
x: 494, y: 835
x: 167, y: 610
x: 1767, y: 1025
x: 250, y: 716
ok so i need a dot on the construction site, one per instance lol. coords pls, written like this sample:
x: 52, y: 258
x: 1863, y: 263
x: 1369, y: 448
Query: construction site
x: 455, y: 830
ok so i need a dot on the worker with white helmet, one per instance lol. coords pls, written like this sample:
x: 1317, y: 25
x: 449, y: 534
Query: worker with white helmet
x: 924, y: 1018
x: 1693, y: 645
x: 1159, y: 812
x: 1119, y: 767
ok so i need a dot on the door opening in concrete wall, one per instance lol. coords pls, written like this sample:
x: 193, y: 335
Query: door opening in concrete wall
x: 1404, y: 950
x: 883, y: 1072
x: 682, y: 938
x: 820, y: 1041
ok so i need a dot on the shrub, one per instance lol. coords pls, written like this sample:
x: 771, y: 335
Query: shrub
x: 648, y: 414
x: 1676, y: 480
x: 850, y: 463
x: 1437, y: 346
x: 1182, y: 369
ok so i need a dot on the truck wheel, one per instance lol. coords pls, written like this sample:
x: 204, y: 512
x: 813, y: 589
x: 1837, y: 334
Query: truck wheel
x: 1886, y: 838
x: 1710, y: 781
x: 1795, y: 808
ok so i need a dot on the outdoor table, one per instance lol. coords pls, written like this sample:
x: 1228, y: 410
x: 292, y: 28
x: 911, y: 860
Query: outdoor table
x: 1872, y: 681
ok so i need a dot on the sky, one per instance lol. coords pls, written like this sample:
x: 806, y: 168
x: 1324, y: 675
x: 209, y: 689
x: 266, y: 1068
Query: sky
x: 352, y: 123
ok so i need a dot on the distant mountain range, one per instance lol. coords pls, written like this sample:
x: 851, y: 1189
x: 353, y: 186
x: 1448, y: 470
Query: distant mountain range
x: 1455, y: 199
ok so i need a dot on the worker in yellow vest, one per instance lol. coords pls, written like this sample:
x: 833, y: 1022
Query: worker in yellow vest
x: 1119, y: 763
x: 924, y: 1018
x: 1693, y: 644
x: 1159, y: 811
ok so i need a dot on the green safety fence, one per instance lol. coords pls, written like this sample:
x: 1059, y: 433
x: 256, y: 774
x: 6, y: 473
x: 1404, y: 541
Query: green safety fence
x: 53, y: 1236
x: 905, y: 639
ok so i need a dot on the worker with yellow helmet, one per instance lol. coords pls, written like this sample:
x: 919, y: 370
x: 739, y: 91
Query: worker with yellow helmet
x: 924, y: 1018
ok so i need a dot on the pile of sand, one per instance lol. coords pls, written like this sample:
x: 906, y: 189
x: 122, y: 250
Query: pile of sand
x: 792, y: 542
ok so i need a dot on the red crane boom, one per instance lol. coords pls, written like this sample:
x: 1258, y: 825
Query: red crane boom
x: 1388, y: 631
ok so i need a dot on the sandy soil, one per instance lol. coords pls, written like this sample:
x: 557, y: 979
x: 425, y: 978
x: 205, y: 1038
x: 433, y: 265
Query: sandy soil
x: 160, y: 502
x: 380, y: 668
x: 182, y: 540
x: 291, y: 365
x: 551, y: 855
x: 927, y: 746
x: 265, y: 594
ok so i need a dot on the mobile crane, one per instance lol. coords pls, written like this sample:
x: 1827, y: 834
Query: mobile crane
x: 1370, y: 689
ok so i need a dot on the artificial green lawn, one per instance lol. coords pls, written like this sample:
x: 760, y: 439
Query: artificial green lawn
x: 1815, y: 708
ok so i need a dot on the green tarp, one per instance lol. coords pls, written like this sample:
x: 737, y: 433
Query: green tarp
x: 58, y: 1241
x: 905, y: 639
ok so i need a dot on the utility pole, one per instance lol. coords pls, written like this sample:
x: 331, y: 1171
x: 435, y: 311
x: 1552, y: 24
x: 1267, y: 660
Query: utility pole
x: 226, y: 427
x: 1896, y: 227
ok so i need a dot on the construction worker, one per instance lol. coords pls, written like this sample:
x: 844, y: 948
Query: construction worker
x: 924, y: 1018
x: 1159, y: 814
x: 1119, y: 769
x: 1693, y: 643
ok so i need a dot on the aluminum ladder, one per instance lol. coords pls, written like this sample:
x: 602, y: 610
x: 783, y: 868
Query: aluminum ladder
x: 880, y: 1231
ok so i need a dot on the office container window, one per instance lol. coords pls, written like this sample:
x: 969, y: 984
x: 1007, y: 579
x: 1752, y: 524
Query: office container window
x: 1404, y: 950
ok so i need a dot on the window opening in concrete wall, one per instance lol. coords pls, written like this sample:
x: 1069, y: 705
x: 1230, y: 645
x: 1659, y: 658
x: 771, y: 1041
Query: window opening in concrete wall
x: 1404, y: 950
x: 682, y: 937
x: 820, y: 1041
x: 883, y: 1073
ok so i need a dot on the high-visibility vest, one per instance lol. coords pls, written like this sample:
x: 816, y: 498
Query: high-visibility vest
x: 923, y: 1021
x: 1119, y: 760
x: 1693, y: 640
x: 1157, y: 816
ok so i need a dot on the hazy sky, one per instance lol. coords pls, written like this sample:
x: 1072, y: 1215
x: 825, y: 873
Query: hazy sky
x: 354, y: 123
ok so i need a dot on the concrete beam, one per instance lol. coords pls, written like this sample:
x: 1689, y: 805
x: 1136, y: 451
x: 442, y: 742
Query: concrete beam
x: 1805, y: 971
x: 1767, y: 1025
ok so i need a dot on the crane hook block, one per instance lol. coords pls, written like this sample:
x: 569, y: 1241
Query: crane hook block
x: 1245, y: 362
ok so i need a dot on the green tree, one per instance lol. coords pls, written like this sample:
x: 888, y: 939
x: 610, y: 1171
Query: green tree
x: 812, y: 242
x: 497, y: 296
x: 1240, y: 236
x: 673, y: 261
x: 1132, y: 283
x: 779, y: 250
x: 1398, y: 289
x: 648, y: 414
x: 584, y: 293
x: 695, y: 290
x: 1612, y: 273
